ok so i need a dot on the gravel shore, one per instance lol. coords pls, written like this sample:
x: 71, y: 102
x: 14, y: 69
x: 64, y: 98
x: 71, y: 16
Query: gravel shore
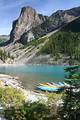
x: 10, y: 81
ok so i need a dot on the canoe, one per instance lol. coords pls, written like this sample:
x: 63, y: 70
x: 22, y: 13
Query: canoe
x: 59, y: 84
x: 48, y: 85
x: 50, y: 89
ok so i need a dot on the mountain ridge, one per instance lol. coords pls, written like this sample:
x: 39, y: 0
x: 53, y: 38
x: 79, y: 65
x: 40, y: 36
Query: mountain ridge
x: 53, y: 37
x: 28, y: 18
x: 31, y: 25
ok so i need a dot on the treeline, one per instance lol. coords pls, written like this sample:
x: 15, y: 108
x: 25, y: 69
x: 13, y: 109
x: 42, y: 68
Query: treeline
x: 63, y: 42
x: 35, y: 42
x: 15, y: 107
x: 4, y: 55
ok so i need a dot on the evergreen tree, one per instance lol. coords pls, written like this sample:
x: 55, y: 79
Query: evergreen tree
x: 71, y: 98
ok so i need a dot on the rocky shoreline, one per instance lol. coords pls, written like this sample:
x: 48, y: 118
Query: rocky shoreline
x: 13, y: 82
x: 48, y: 59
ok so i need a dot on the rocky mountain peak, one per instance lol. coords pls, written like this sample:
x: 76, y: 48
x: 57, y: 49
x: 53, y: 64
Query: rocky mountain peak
x: 26, y: 8
x: 27, y: 13
x: 28, y: 19
x: 31, y: 25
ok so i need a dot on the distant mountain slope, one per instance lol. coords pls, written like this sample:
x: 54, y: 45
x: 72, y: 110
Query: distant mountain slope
x: 73, y: 26
x: 65, y: 42
x: 31, y: 25
x: 4, y: 37
x: 60, y: 47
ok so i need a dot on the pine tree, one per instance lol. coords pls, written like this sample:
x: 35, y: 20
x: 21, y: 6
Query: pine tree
x: 71, y: 104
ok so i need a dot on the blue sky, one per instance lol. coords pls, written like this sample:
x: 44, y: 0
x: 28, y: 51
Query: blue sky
x: 10, y: 9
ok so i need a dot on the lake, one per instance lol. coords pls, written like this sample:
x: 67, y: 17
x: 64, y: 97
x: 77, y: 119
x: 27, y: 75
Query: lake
x: 30, y: 75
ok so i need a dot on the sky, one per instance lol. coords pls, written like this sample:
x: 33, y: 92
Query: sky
x: 10, y: 9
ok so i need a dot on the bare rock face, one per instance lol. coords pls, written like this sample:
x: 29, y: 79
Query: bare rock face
x: 28, y: 19
x: 31, y: 25
x: 26, y: 37
x: 56, y: 21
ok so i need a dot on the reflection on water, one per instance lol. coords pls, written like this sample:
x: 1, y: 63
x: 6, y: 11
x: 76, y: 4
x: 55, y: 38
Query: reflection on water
x: 30, y: 75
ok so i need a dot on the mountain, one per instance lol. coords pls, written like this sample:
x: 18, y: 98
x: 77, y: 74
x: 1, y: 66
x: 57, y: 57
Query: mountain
x: 4, y: 37
x: 56, y: 20
x: 31, y: 25
x: 64, y: 45
x: 60, y: 47
x: 28, y: 19
x: 73, y: 26
x: 56, y: 38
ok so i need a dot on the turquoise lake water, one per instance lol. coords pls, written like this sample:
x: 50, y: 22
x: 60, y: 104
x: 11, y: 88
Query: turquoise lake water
x: 30, y: 75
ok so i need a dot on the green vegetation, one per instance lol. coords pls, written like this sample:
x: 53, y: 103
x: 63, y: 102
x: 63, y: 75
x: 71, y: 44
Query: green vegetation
x: 11, y: 97
x: 62, y: 106
x: 53, y: 97
x: 35, y: 42
x: 29, y: 111
x: 63, y: 42
x: 4, y: 55
x: 14, y: 107
x: 35, y: 110
x: 71, y: 99
x: 2, y: 40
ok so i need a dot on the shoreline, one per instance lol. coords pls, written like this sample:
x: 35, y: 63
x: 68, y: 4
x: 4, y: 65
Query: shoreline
x: 14, y: 64
x: 30, y: 95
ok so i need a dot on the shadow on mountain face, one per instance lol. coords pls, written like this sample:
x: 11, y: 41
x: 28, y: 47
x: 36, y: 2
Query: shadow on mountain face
x: 73, y: 26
